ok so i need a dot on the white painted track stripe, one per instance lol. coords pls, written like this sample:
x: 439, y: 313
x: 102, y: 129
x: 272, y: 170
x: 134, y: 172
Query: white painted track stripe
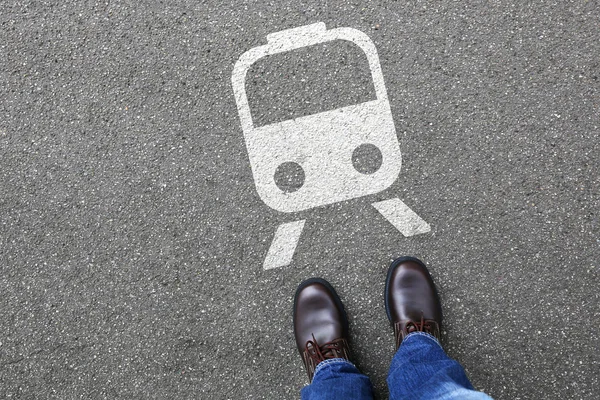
x: 402, y: 217
x: 284, y: 244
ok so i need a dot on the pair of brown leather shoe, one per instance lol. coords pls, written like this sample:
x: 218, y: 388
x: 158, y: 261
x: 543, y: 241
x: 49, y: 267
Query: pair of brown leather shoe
x: 320, y: 322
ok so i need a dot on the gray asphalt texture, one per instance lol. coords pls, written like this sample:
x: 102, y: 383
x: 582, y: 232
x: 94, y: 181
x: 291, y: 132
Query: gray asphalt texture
x: 132, y: 237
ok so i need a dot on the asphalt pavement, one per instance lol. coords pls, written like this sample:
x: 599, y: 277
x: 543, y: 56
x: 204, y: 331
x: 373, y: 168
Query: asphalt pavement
x: 133, y: 238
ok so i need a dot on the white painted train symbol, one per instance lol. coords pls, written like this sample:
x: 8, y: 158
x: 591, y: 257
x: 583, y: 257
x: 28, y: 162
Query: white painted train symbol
x: 320, y: 147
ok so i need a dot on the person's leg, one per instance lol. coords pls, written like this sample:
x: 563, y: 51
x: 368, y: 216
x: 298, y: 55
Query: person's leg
x: 337, y: 379
x: 321, y: 332
x: 420, y: 368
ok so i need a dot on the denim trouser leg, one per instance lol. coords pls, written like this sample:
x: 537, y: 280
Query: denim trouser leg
x: 337, y: 379
x: 422, y: 370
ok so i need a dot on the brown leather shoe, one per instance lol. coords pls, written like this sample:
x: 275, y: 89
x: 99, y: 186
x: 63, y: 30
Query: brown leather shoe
x: 320, y: 324
x: 411, y: 299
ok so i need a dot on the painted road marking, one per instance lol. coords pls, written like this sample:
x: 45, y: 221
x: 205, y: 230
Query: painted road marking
x: 321, y: 144
x: 323, y: 151
x: 284, y: 245
x: 402, y: 217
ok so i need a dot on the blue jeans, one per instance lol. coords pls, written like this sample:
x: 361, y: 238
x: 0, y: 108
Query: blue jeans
x: 420, y: 370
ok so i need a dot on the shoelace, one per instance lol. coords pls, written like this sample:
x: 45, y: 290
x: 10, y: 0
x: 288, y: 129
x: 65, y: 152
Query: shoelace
x: 428, y: 326
x: 403, y: 328
x: 325, y: 351
x: 314, y: 353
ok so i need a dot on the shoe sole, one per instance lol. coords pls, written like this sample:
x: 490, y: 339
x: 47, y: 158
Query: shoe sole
x: 393, y: 266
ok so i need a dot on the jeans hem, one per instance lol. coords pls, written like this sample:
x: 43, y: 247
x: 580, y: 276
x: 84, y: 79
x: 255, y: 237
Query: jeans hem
x: 325, y: 363
x: 424, y: 334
